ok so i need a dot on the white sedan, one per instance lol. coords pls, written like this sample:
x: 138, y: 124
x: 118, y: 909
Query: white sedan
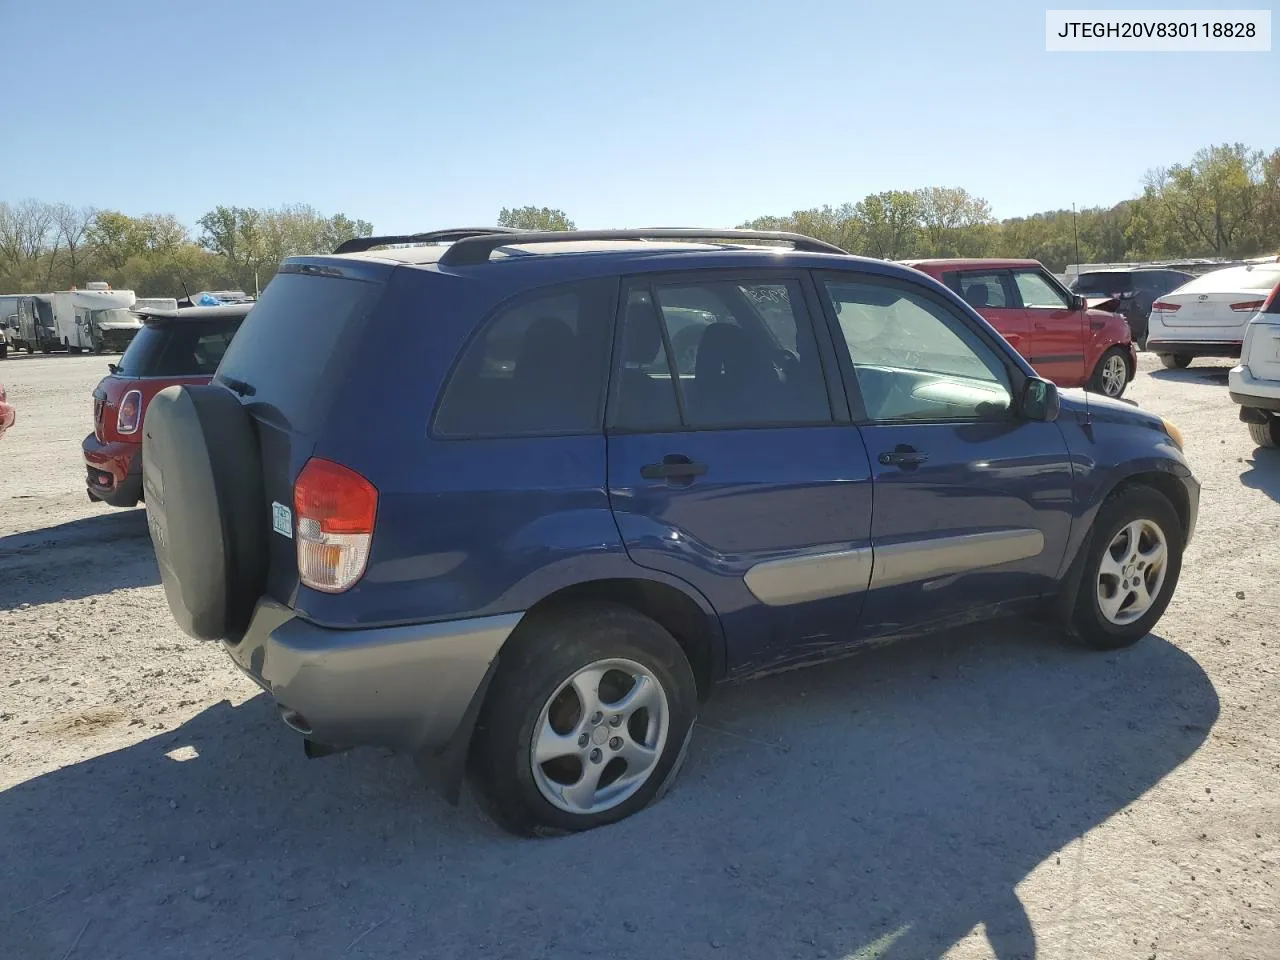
x: 1207, y: 316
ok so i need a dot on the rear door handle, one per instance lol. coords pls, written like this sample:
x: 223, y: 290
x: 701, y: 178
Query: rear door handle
x: 903, y: 457
x: 674, y: 466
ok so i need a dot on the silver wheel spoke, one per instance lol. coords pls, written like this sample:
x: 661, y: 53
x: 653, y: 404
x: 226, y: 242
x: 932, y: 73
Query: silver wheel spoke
x: 639, y: 758
x: 1134, y: 533
x: 1111, y: 567
x: 1154, y: 556
x: 1141, y: 599
x: 644, y: 694
x: 1111, y: 605
x: 550, y: 745
x: 587, y: 686
x: 582, y: 795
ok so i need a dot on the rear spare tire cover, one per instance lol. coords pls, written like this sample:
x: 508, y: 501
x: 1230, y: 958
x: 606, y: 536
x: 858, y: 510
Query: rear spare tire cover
x: 202, y: 484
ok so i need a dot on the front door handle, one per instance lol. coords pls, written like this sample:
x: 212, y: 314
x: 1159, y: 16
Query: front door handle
x: 903, y: 456
x: 674, y: 466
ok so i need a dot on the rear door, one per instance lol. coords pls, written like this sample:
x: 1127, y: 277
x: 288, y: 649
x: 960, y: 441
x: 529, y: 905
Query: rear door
x: 1057, y: 333
x: 732, y: 463
x: 991, y: 293
x: 972, y: 503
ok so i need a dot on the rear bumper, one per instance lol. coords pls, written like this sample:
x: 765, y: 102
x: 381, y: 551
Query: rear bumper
x: 1250, y: 391
x: 1196, y: 348
x: 113, y: 471
x: 404, y: 687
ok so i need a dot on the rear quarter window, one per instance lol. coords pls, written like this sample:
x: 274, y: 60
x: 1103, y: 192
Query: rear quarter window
x: 537, y: 366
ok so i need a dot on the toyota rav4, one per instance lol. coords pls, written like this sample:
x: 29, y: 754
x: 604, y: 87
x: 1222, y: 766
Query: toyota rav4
x: 516, y: 502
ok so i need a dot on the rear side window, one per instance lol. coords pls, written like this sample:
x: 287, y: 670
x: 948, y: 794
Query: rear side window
x: 537, y: 367
x: 289, y: 345
x: 743, y: 352
x: 182, y: 348
x: 984, y: 290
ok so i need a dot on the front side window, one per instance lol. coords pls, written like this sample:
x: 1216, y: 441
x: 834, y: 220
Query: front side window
x: 1037, y: 292
x: 915, y: 359
x: 537, y: 367
x: 743, y: 353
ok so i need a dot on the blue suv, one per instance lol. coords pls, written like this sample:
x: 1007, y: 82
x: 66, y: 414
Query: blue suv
x: 515, y: 502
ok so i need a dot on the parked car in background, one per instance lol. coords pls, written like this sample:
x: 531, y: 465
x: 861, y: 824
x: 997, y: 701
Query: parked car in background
x: 7, y: 414
x: 1207, y: 317
x: 1054, y: 329
x: 1255, y: 382
x: 466, y: 502
x: 1129, y: 292
x: 181, y: 345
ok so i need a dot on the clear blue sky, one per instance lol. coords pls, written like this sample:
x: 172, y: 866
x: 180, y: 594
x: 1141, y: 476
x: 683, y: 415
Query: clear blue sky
x: 650, y: 112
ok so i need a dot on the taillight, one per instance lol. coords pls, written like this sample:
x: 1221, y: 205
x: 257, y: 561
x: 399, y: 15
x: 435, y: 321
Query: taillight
x: 1161, y: 306
x: 1272, y: 303
x: 130, y: 412
x: 335, y: 507
x: 1248, y: 306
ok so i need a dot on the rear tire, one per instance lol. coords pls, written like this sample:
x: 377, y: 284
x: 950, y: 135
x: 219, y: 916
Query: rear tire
x: 1132, y: 562
x: 1266, y: 434
x: 536, y: 701
x: 1175, y: 361
x: 1112, y: 375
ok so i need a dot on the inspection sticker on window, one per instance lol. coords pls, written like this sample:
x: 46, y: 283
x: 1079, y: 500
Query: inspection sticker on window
x: 282, y: 519
x: 1161, y: 31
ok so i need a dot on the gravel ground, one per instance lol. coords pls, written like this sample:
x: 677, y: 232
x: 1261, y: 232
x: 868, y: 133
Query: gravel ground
x: 995, y: 793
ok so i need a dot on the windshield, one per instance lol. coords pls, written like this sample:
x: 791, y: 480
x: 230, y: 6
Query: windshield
x: 117, y: 316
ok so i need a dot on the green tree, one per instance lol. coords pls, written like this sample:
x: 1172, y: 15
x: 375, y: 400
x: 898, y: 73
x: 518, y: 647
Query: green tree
x: 890, y: 224
x: 953, y: 222
x: 534, y: 218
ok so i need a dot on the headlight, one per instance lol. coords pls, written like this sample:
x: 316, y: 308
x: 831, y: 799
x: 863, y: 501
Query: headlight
x: 1174, y: 433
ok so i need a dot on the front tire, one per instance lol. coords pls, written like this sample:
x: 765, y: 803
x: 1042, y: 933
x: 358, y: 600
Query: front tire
x: 1175, y: 361
x: 1112, y: 374
x: 1131, y: 567
x: 1266, y: 434
x: 586, y: 722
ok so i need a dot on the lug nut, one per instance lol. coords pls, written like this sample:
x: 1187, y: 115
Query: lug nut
x: 615, y: 743
x: 597, y: 717
x: 583, y: 740
x: 615, y: 720
x: 596, y: 755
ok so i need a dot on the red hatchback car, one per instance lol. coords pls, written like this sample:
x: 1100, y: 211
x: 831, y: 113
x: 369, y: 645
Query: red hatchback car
x: 1055, y: 330
x: 173, y: 346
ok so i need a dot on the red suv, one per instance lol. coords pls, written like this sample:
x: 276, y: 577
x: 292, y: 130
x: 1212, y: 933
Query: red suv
x: 173, y: 346
x: 1056, y: 332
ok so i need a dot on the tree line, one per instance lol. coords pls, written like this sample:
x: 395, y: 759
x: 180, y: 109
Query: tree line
x: 1224, y: 202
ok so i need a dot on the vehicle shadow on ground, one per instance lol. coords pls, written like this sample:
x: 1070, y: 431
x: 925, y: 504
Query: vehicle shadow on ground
x: 80, y: 558
x: 1216, y: 376
x: 886, y: 804
x: 1264, y: 473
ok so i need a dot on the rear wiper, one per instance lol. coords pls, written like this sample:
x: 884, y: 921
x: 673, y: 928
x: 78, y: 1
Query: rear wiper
x: 239, y: 386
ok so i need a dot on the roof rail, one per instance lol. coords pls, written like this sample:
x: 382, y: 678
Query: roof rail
x: 477, y: 247
x: 360, y: 244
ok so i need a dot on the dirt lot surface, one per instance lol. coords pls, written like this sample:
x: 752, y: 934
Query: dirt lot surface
x: 996, y: 793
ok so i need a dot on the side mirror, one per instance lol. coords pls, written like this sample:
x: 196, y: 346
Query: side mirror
x: 1040, y: 400
x: 1079, y: 302
x: 112, y: 368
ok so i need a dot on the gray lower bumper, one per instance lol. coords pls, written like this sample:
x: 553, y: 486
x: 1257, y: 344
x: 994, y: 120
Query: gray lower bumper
x: 403, y: 687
